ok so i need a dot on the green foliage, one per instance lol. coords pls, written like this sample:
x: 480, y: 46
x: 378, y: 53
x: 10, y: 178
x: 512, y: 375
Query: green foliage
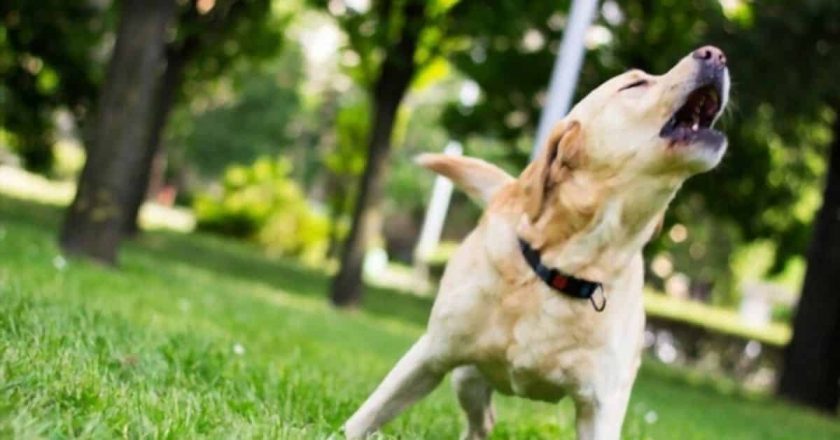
x: 351, y: 130
x: 787, y: 101
x: 408, y: 185
x: 199, y: 337
x: 344, y: 163
x: 236, y: 91
x: 234, y: 33
x: 53, y: 54
x: 244, y: 117
x: 512, y: 77
x: 50, y: 58
x: 261, y: 203
x: 373, y: 31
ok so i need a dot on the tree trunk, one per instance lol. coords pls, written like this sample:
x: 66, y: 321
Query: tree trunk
x: 394, y: 77
x: 93, y: 226
x: 811, y: 368
x: 165, y: 98
x: 201, y: 32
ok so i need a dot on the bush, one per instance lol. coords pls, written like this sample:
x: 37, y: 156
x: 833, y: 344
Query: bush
x: 262, y: 203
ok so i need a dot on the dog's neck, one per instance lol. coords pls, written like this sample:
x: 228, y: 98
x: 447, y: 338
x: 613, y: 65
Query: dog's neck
x: 593, y: 231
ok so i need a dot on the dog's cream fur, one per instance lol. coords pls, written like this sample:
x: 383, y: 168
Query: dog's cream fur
x: 589, y: 204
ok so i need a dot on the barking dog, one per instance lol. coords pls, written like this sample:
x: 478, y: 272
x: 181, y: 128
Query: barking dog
x: 543, y: 299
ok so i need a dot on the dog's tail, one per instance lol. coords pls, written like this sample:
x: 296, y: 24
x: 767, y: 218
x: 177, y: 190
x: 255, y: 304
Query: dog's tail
x: 479, y: 179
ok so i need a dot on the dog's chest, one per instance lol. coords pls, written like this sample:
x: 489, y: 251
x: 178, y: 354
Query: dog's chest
x: 550, y: 348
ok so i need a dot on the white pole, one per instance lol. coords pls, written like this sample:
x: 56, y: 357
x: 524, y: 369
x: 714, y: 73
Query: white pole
x: 564, y: 77
x: 436, y: 212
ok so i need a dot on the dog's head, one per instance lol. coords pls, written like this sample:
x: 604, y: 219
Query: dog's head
x: 635, y: 127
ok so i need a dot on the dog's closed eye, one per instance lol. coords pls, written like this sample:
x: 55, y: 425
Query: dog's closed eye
x: 641, y: 82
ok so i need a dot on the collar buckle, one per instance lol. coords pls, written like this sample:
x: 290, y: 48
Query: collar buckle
x: 598, y: 308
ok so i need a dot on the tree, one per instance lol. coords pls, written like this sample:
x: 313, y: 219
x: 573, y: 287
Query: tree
x: 395, y: 75
x: 94, y: 221
x: 39, y: 77
x: 811, y: 370
x: 392, y: 41
x: 344, y: 164
x: 209, y: 40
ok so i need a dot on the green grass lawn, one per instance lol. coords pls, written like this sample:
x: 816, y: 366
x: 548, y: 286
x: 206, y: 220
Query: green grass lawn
x: 200, y: 337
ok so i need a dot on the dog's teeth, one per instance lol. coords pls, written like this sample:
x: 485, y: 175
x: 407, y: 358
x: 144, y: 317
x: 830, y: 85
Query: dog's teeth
x: 696, y: 126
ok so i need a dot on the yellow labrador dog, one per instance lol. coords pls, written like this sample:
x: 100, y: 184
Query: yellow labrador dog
x: 544, y: 298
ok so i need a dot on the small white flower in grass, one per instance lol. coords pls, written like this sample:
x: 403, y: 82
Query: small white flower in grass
x: 651, y: 417
x: 238, y: 349
x: 59, y: 262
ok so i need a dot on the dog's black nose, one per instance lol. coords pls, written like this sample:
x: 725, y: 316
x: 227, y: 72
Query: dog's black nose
x: 710, y: 56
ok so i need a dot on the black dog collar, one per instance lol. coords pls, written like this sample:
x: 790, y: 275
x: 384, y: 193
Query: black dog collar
x: 562, y: 282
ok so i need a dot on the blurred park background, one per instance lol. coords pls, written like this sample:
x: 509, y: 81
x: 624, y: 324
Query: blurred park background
x: 210, y: 219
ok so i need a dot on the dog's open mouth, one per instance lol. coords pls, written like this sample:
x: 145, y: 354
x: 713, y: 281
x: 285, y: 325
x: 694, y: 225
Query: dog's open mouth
x: 694, y: 119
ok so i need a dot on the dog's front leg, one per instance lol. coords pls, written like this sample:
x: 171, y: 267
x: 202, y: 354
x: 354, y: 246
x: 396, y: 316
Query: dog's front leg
x: 602, y: 419
x: 414, y: 376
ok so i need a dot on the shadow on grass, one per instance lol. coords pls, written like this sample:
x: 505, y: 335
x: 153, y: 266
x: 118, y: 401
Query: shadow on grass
x: 232, y: 258
x: 30, y: 213
x: 246, y: 262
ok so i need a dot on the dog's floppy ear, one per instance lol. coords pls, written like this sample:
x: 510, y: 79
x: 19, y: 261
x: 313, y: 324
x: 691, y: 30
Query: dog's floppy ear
x: 560, y: 155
